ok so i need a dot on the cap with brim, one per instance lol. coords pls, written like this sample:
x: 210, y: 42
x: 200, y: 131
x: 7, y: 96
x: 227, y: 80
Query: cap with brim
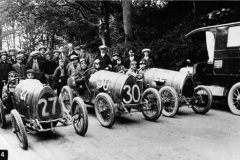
x: 103, y: 47
x: 42, y: 47
x: 30, y: 71
x: 61, y: 60
x: 72, y: 57
x: 82, y: 47
x: 34, y: 53
x: 19, y: 56
x: 21, y: 51
x: 82, y: 60
x: 133, y: 62
x: 146, y: 50
x: 115, y: 54
x: 56, y: 51
x: 119, y: 58
x: 3, y: 53
x: 96, y: 61
x: 12, y: 72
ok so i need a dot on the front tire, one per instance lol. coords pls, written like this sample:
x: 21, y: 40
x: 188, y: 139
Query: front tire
x: 80, y: 115
x: 234, y: 99
x: 153, y: 106
x: 3, y: 122
x: 19, y: 129
x: 170, y: 101
x: 202, y: 100
x: 105, y: 110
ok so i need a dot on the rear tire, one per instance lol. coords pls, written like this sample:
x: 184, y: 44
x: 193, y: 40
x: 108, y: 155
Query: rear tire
x: 170, y: 101
x: 3, y: 122
x: 19, y: 129
x: 105, y: 110
x: 154, y: 106
x: 203, y: 100
x: 234, y: 99
x: 81, y: 123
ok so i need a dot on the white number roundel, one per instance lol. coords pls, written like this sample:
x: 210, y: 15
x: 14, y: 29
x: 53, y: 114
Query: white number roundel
x: 131, y: 96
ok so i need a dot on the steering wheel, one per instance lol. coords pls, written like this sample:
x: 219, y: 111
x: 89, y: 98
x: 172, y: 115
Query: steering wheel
x: 14, y: 81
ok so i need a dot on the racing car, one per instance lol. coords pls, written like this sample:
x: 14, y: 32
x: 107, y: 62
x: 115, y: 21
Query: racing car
x: 35, y: 108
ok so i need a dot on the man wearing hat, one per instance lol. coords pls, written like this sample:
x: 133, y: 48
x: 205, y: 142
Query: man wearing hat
x: 12, y: 55
x: 74, y: 65
x: 132, y: 57
x: 84, y: 54
x: 42, y: 50
x: 49, y: 67
x: 105, y: 60
x: 22, y: 51
x: 19, y: 67
x: 36, y: 64
x: 5, y: 67
x: 115, y: 57
x: 149, y: 60
x: 70, y: 50
x: 56, y: 54
x: 60, y: 76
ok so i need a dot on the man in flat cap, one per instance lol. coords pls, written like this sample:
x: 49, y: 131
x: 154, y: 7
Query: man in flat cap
x: 49, y: 67
x: 84, y: 54
x: 70, y: 50
x: 36, y: 64
x: 74, y: 65
x: 12, y: 55
x: 5, y: 67
x: 105, y: 60
x: 19, y: 67
x: 42, y: 50
x: 149, y: 61
x: 25, y: 55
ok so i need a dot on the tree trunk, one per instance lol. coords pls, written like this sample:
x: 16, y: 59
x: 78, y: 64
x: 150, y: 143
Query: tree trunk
x: 127, y: 19
x: 14, y: 43
x: 1, y: 38
x: 52, y: 38
x: 104, y: 33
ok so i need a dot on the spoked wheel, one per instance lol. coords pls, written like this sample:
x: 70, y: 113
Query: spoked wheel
x: 202, y: 100
x: 151, y: 100
x: 105, y: 110
x: 170, y: 101
x: 234, y: 99
x: 80, y: 115
x: 18, y: 129
x: 2, y: 116
x: 66, y: 97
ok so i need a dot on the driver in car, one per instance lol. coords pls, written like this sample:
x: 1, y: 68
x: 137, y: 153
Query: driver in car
x: 5, y: 94
x: 132, y: 71
x: 79, y: 79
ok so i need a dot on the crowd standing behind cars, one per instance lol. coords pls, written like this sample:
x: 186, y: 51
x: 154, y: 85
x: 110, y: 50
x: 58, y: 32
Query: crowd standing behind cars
x: 61, y: 67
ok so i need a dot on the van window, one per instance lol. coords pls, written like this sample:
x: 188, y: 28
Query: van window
x: 233, y: 37
x: 210, y: 40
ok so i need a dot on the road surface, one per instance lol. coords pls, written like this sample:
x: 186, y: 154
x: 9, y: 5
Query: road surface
x: 188, y: 136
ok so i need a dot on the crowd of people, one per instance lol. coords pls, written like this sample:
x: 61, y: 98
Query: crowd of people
x: 61, y: 67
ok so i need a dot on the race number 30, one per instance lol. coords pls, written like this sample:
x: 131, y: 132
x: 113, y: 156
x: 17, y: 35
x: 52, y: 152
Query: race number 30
x: 131, y: 94
x: 3, y: 154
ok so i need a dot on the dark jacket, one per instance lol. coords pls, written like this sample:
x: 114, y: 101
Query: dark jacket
x: 127, y: 62
x: 56, y: 77
x: 20, y: 71
x: 30, y: 64
x: 105, y: 61
x: 49, y: 66
x: 150, y: 63
x: 4, y: 69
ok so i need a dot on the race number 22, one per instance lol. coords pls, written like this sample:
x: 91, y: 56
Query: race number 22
x: 3, y: 154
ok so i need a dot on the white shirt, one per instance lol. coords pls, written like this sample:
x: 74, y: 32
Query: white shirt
x: 131, y: 58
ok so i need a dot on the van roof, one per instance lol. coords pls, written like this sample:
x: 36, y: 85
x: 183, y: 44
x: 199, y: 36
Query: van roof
x: 210, y: 28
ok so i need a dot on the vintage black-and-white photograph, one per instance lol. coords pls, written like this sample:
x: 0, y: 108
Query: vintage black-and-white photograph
x: 119, y: 80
